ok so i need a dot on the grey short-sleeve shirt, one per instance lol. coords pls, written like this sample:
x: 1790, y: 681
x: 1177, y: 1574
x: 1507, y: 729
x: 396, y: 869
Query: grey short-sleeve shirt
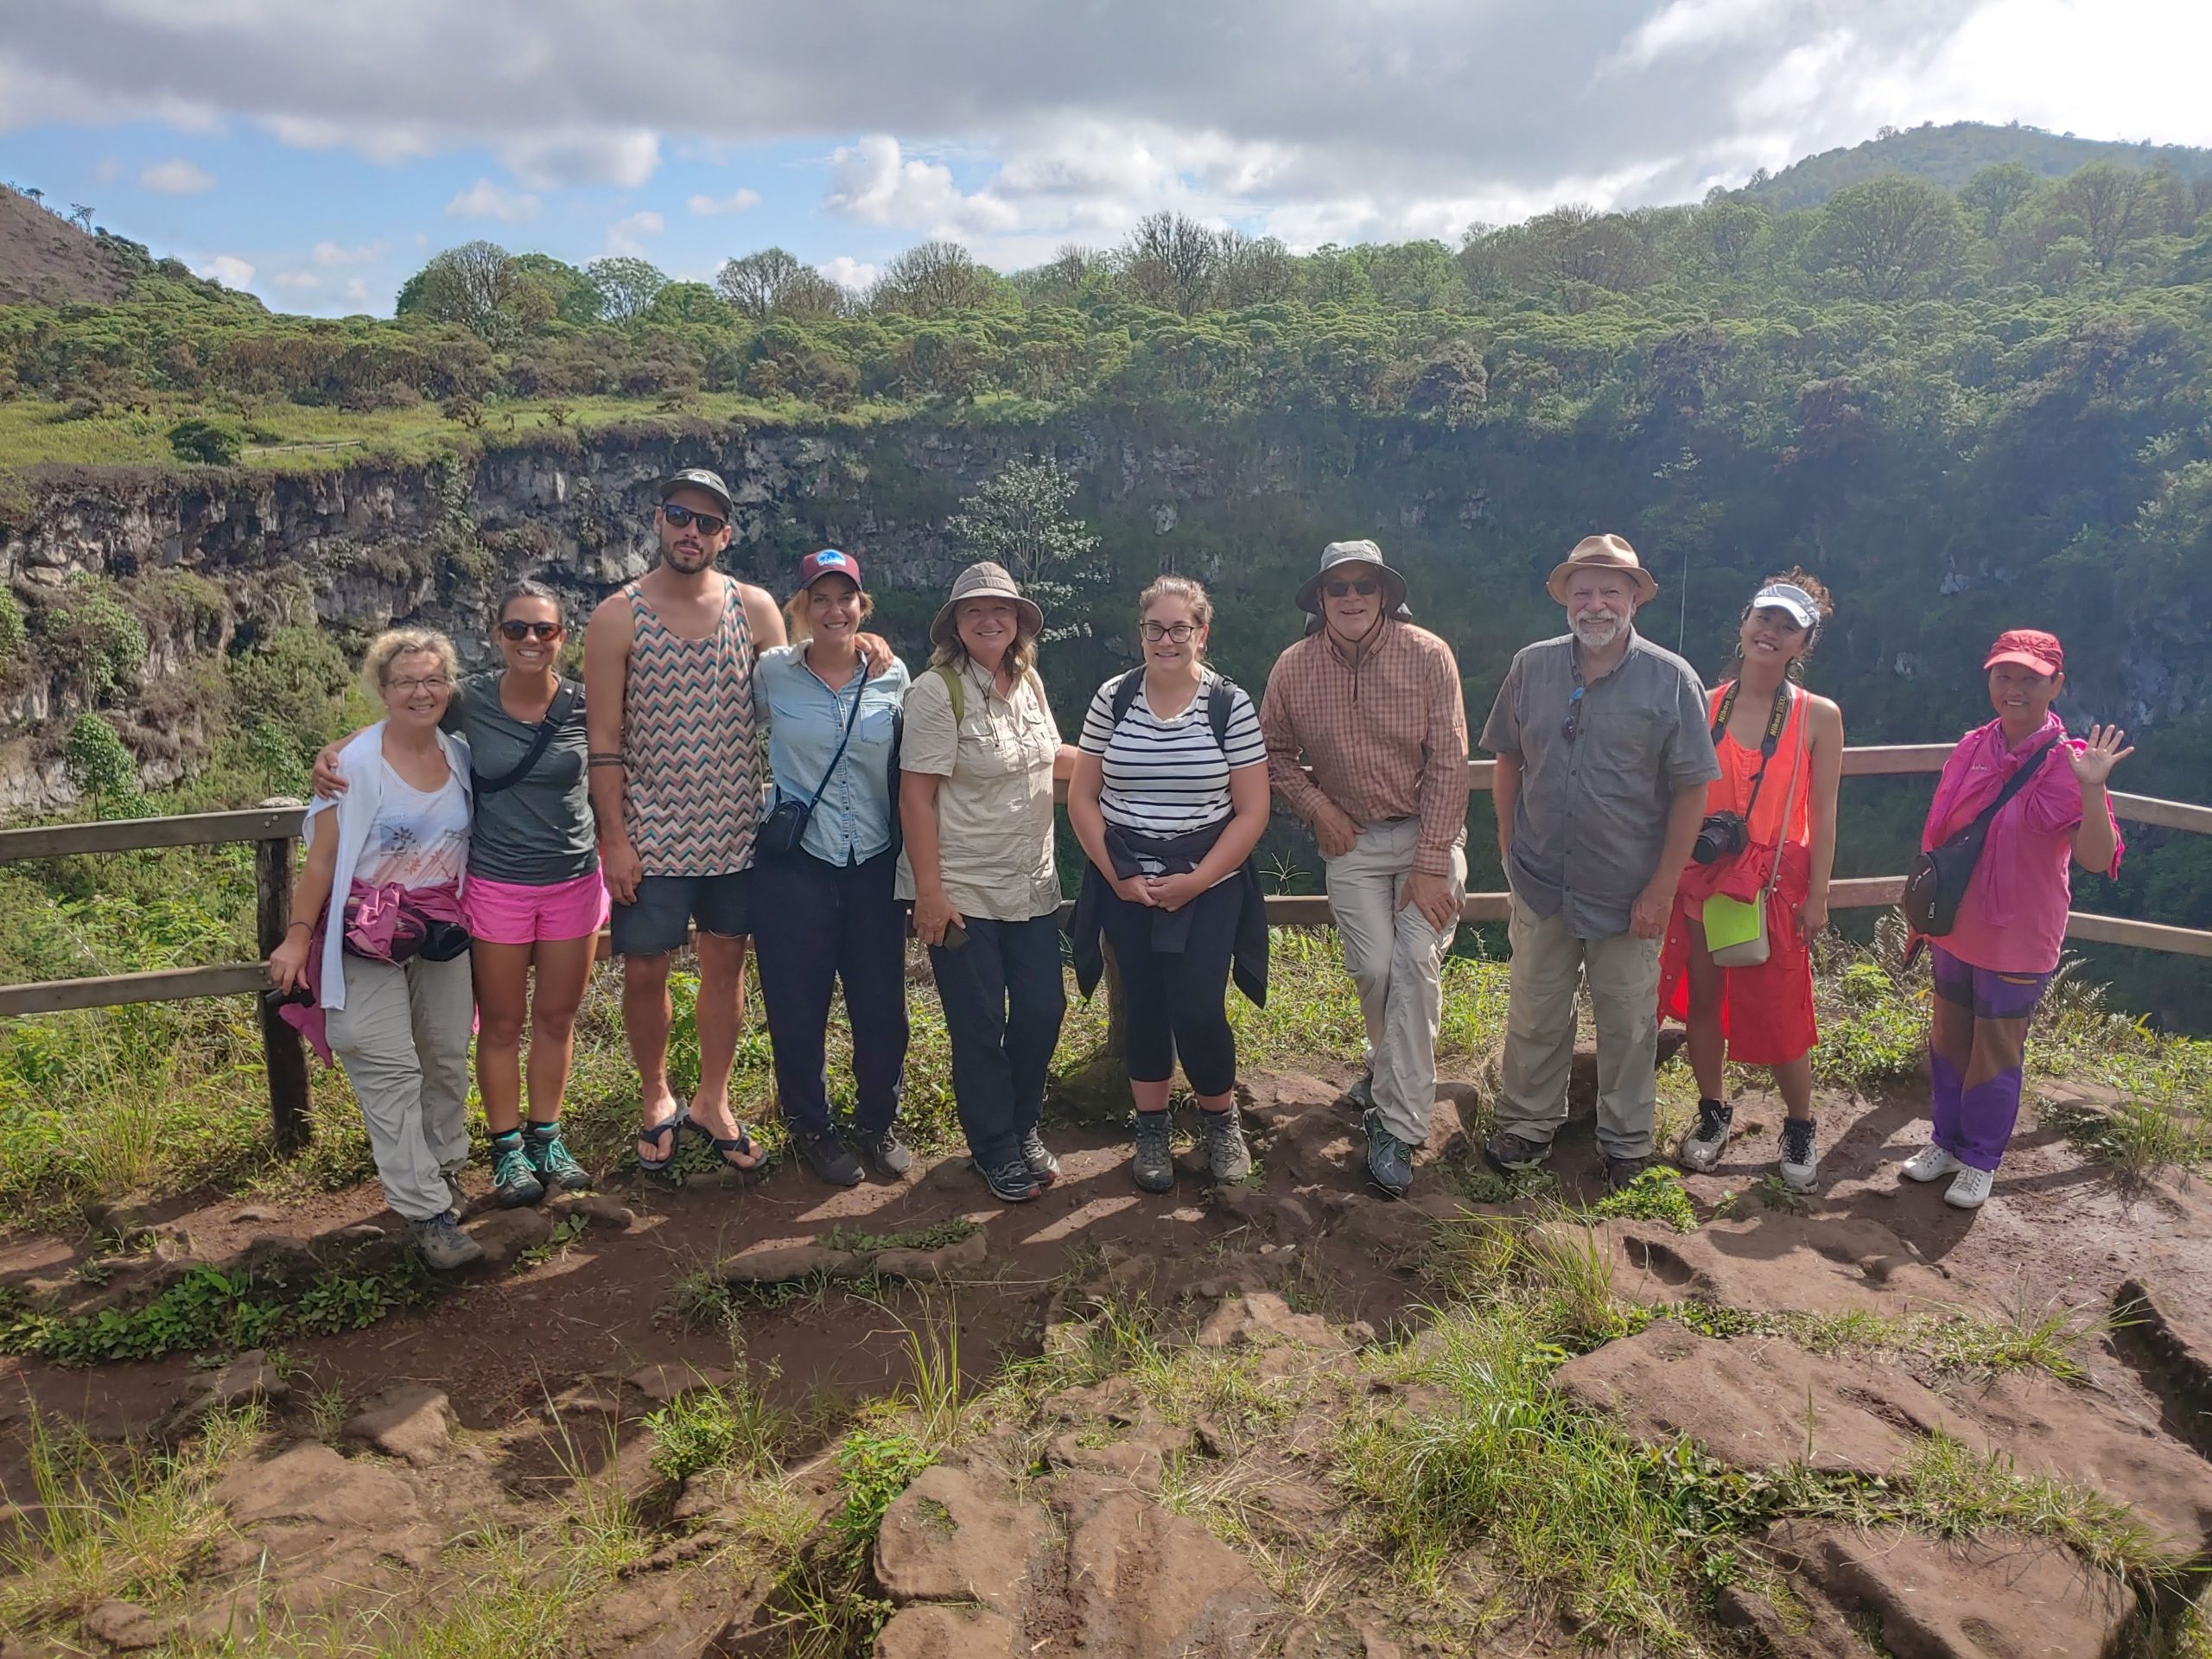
x: 1592, y: 815
x: 540, y: 830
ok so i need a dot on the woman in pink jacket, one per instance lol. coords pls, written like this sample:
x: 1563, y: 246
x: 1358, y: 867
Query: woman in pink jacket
x: 1991, y: 967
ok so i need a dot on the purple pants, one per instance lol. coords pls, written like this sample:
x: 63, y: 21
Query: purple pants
x: 1974, y: 1125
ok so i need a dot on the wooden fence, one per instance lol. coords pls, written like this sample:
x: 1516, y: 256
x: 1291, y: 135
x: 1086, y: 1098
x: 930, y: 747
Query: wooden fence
x: 272, y: 831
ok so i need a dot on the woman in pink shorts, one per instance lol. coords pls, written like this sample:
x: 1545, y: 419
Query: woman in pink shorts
x: 533, y: 897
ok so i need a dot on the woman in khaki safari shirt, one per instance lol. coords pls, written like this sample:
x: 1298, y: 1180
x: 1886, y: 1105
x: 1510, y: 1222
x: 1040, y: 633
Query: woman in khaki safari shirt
x: 978, y: 760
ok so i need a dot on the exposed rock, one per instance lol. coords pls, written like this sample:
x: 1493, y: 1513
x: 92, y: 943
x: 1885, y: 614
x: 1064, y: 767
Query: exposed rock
x: 1774, y: 1260
x: 245, y: 1379
x: 2178, y: 1339
x: 1281, y: 1214
x: 930, y: 1632
x: 1259, y: 1319
x: 1391, y: 1232
x: 774, y: 1264
x: 1921, y: 1598
x: 950, y: 1537
x: 927, y: 1266
x: 664, y: 1384
x: 123, y: 1625
x: 505, y: 1234
x: 257, y: 1212
x: 1142, y: 1580
x: 310, y: 1482
x: 1759, y: 1404
x: 1140, y: 1458
x: 407, y: 1421
x: 610, y: 1214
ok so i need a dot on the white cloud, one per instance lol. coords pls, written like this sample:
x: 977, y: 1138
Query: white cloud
x: 736, y: 202
x: 623, y: 235
x: 177, y: 178
x: 876, y: 184
x: 357, y: 290
x: 297, y: 281
x: 484, y: 199
x: 850, y: 273
x: 329, y: 253
x: 546, y: 161
x: 228, y: 270
x: 1686, y: 26
x: 380, y: 141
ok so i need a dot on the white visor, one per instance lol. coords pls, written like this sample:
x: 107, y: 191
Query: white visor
x: 1784, y: 596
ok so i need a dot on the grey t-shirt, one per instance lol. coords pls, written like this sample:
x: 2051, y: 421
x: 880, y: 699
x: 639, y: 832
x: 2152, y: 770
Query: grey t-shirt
x: 538, y: 830
x: 1592, y: 815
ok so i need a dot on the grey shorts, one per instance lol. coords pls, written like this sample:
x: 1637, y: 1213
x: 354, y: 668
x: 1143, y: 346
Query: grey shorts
x: 667, y: 905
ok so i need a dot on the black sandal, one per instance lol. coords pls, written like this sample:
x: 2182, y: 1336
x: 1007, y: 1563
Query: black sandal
x: 741, y: 1143
x: 663, y: 1134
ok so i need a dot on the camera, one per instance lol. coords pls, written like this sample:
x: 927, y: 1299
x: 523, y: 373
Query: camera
x: 1723, y: 834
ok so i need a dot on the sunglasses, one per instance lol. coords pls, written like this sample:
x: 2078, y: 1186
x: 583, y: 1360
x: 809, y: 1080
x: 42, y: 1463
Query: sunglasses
x: 1365, y: 587
x: 1574, y: 714
x: 515, y: 628
x: 709, y: 525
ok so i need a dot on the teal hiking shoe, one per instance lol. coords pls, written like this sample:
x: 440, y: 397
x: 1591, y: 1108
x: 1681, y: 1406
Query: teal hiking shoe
x: 514, y: 1183
x: 550, y: 1157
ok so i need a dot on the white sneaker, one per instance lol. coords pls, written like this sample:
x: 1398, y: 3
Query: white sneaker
x: 1801, y: 1158
x: 1971, y: 1189
x: 1930, y: 1163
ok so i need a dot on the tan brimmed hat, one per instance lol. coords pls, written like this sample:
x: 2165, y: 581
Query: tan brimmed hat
x: 984, y: 581
x: 1606, y: 552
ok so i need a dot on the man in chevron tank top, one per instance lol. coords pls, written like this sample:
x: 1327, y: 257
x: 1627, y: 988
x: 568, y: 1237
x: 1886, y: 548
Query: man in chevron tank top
x: 677, y: 780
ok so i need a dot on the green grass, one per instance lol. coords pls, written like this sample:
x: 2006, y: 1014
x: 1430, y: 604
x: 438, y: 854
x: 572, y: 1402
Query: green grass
x: 950, y: 1230
x: 727, y: 1426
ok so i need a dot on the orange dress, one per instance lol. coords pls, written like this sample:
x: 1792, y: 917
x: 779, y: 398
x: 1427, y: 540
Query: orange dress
x: 1766, y: 1012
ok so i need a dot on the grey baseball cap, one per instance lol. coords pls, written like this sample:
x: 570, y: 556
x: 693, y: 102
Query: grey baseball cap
x: 698, y: 478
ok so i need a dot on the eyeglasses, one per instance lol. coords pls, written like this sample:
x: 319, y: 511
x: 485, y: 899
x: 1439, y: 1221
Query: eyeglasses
x: 679, y: 517
x: 1365, y: 587
x: 516, y: 628
x: 1156, y: 632
x: 408, y: 687
x: 1574, y: 714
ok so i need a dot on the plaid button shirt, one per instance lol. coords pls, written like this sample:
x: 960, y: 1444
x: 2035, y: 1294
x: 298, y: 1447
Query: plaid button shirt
x: 1385, y: 732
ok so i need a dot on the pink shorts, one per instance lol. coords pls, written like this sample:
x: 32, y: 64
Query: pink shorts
x: 508, y: 912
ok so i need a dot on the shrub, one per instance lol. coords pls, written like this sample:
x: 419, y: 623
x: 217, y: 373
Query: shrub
x: 90, y: 634
x: 212, y: 443
x: 11, y: 630
x: 99, y: 766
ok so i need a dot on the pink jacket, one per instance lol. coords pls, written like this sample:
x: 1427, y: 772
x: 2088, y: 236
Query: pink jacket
x: 373, y: 919
x: 2013, y: 919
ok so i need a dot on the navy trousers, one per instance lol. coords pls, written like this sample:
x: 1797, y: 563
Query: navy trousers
x: 1004, y: 998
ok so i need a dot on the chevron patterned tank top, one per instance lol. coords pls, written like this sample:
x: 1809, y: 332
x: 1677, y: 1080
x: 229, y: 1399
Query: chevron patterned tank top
x: 693, y: 772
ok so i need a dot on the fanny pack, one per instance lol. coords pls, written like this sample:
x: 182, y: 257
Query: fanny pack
x: 1938, y: 882
x: 783, y: 830
x: 392, y: 924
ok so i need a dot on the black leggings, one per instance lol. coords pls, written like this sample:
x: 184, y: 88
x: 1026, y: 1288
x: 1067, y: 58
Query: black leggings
x: 1175, y: 1001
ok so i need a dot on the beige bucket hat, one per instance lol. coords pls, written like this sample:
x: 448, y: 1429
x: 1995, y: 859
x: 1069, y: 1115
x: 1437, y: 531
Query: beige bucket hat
x: 1336, y: 553
x: 1606, y: 552
x: 984, y: 581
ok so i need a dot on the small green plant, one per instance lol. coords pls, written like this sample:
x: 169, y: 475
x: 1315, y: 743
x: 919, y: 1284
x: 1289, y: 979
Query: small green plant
x: 732, y: 1426
x: 874, y: 1467
x: 2138, y: 1138
x: 566, y: 1231
x: 1656, y: 1195
x: 208, y: 442
x: 934, y: 1237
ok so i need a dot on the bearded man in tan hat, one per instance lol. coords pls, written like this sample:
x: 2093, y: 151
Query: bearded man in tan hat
x: 1373, y: 705
x: 1602, y: 757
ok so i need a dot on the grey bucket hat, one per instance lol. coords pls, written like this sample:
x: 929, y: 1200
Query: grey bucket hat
x: 1336, y: 553
x: 984, y: 581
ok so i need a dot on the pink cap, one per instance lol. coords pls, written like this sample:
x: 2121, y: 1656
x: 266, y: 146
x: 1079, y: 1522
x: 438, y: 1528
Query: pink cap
x: 827, y: 562
x: 2030, y: 648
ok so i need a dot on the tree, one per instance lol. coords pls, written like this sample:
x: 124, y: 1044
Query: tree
x: 1021, y: 519
x: 1256, y: 270
x: 2115, y: 205
x: 100, y: 768
x: 625, y: 289
x: 933, y: 280
x: 1888, y: 236
x: 1991, y: 195
x: 1172, y: 263
x: 774, y: 283
x: 210, y: 442
x: 1413, y: 276
x: 567, y: 292
x: 483, y: 288
x: 1725, y: 229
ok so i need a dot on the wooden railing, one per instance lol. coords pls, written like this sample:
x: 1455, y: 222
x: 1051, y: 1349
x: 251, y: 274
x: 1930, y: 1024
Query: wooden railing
x: 273, y: 829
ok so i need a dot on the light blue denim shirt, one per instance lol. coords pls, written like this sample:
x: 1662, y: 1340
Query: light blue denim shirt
x: 852, y: 822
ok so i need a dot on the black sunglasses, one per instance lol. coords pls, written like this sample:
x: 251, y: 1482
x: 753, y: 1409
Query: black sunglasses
x: 1573, y: 713
x: 516, y: 628
x: 709, y: 525
x: 1365, y: 587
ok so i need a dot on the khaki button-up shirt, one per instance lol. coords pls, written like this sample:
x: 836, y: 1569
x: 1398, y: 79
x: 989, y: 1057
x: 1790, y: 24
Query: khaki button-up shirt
x: 994, y: 806
x: 1592, y: 814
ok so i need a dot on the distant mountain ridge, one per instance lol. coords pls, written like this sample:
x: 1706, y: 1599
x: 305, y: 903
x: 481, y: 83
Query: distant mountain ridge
x: 1949, y: 156
x: 44, y: 259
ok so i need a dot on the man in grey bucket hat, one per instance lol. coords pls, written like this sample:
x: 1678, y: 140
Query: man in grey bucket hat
x: 1373, y: 705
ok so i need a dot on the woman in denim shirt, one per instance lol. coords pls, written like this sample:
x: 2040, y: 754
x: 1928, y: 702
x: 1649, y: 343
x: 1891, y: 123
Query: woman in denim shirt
x: 825, y: 910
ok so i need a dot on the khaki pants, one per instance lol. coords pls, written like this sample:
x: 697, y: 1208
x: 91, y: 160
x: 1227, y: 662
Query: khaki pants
x: 1396, y: 959
x: 403, y: 1038
x: 1623, y: 972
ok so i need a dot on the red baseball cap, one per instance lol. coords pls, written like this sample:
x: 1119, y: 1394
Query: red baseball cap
x: 829, y: 563
x: 2030, y: 648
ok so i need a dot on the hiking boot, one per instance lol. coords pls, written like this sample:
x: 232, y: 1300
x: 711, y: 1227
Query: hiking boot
x: 1513, y: 1153
x: 1930, y: 1163
x: 1152, y: 1166
x: 1971, y: 1189
x: 514, y: 1182
x: 1700, y: 1148
x: 1039, y: 1157
x: 1623, y: 1172
x: 444, y: 1245
x: 550, y: 1157
x: 1012, y: 1182
x: 1228, y: 1156
x: 1801, y: 1159
x: 1389, y: 1160
x: 886, y: 1154
x: 1361, y: 1092
x: 826, y: 1157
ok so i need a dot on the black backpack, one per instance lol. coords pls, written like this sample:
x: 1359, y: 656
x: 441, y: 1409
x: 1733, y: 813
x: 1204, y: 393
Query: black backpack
x: 1937, y: 885
x: 1221, y: 702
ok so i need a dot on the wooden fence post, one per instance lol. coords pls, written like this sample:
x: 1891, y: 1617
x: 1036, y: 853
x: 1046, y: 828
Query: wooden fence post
x: 283, y: 1053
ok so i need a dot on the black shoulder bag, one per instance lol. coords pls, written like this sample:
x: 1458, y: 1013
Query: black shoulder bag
x: 556, y: 712
x: 1937, y: 885
x: 783, y: 830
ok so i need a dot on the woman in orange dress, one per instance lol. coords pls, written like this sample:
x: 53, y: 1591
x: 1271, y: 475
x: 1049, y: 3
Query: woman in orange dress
x: 1781, y: 752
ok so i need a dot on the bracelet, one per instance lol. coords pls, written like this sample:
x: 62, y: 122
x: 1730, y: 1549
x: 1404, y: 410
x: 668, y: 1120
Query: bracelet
x: 288, y: 926
x: 600, y: 757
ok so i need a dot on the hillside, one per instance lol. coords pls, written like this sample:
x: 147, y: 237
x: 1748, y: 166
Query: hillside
x: 1949, y: 156
x: 48, y: 260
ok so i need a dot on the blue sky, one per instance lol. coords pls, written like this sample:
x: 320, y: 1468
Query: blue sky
x: 317, y: 154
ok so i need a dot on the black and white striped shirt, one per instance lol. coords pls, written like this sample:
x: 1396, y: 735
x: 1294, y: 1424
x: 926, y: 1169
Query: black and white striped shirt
x: 1167, y: 777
